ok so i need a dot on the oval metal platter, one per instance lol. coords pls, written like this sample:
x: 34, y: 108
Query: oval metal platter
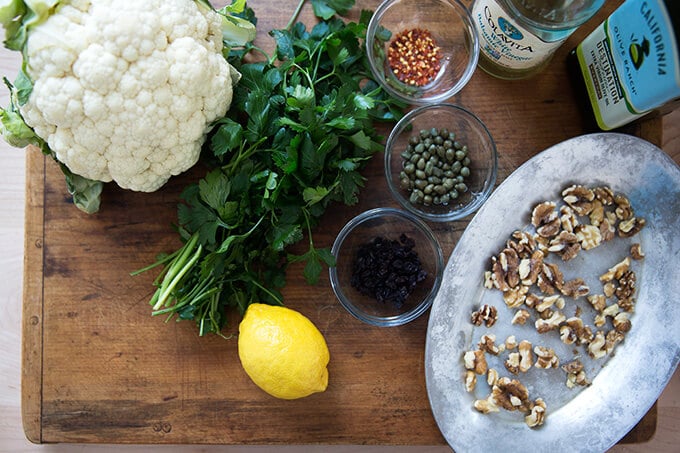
x: 624, y: 384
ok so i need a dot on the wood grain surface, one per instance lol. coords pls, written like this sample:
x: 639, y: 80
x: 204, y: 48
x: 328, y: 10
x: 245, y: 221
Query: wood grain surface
x: 98, y: 369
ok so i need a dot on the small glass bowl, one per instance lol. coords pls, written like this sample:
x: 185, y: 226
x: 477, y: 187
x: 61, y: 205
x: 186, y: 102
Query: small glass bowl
x: 481, y: 152
x: 390, y: 224
x: 451, y: 27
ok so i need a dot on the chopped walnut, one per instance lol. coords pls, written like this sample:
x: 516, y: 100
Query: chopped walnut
x: 607, y: 228
x: 596, y: 348
x: 526, y: 357
x: 547, y: 302
x: 566, y: 245
x: 621, y: 322
x: 612, y: 338
x: 546, y: 358
x: 515, y: 297
x: 589, y: 236
x: 568, y: 219
x: 510, y: 343
x: 604, y: 194
x: 597, y: 213
x: 488, y: 344
x: 492, y: 377
x: 475, y: 361
x: 536, y: 415
x: 523, y: 243
x: 511, y: 395
x: 611, y: 310
x: 609, y: 289
x: 636, y: 252
x: 512, y: 362
x: 546, y: 219
x: 550, y: 279
x: 598, y: 301
x: 470, y: 380
x: 521, y: 317
x: 631, y: 227
x: 486, y: 406
x: 486, y: 314
x: 546, y: 325
x: 623, y: 210
x: 574, y: 331
x: 616, y: 271
x: 575, y: 288
x: 509, y: 265
x: 576, y: 375
x: 579, y: 198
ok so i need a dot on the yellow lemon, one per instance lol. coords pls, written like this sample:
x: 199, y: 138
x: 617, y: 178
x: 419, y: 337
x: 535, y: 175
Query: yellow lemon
x: 282, y: 351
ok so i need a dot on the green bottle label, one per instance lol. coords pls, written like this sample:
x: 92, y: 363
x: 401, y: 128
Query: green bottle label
x: 630, y: 63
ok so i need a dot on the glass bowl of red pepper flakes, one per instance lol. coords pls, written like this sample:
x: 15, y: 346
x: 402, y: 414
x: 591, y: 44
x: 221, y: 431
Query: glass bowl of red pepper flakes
x: 440, y: 162
x: 422, y: 51
x: 389, y: 267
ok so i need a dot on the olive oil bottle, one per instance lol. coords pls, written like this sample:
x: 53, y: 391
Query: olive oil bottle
x: 519, y: 37
x: 629, y: 66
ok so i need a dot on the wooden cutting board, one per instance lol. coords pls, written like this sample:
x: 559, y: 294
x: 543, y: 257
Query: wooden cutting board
x: 98, y: 368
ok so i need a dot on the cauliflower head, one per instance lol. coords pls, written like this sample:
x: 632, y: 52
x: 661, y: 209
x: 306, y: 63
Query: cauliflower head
x: 126, y: 90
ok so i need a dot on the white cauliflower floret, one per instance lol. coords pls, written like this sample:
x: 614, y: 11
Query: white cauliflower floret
x: 126, y: 90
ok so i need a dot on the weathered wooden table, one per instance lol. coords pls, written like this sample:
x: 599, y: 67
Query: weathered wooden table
x: 98, y: 368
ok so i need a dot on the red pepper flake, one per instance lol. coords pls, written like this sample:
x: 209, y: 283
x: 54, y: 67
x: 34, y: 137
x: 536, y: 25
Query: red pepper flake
x: 414, y: 57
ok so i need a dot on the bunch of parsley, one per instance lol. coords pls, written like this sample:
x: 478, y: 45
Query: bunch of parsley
x: 300, y: 129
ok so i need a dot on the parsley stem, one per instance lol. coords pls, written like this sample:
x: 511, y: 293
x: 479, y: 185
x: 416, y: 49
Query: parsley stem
x: 295, y: 14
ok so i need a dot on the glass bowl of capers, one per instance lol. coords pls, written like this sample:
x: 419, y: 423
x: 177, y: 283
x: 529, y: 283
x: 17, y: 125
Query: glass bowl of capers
x: 440, y: 162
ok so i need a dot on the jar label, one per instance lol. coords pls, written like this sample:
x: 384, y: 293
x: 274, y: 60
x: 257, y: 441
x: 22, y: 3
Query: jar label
x: 507, y: 43
x: 630, y: 63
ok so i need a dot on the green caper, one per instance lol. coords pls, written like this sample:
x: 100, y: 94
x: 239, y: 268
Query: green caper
x: 405, y: 183
x: 456, y: 166
x: 420, y: 164
x: 438, y: 140
x: 420, y: 174
x: 427, y: 200
x: 413, y: 198
x: 424, y: 133
x: 453, y: 194
x: 466, y: 162
x: 440, y: 189
x: 450, y: 154
x: 414, y: 140
x: 434, y: 132
x: 465, y: 172
x: 444, y: 132
x: 460, y: 155
x: 409, y: 168
x: 429, y: 167
x: 428, y: 189
x: 419, y: 148
x: 449, y: 183
x: 461, y: 187
x: 406, y: 155
x: 420, y: 183
x: 445, y: 198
